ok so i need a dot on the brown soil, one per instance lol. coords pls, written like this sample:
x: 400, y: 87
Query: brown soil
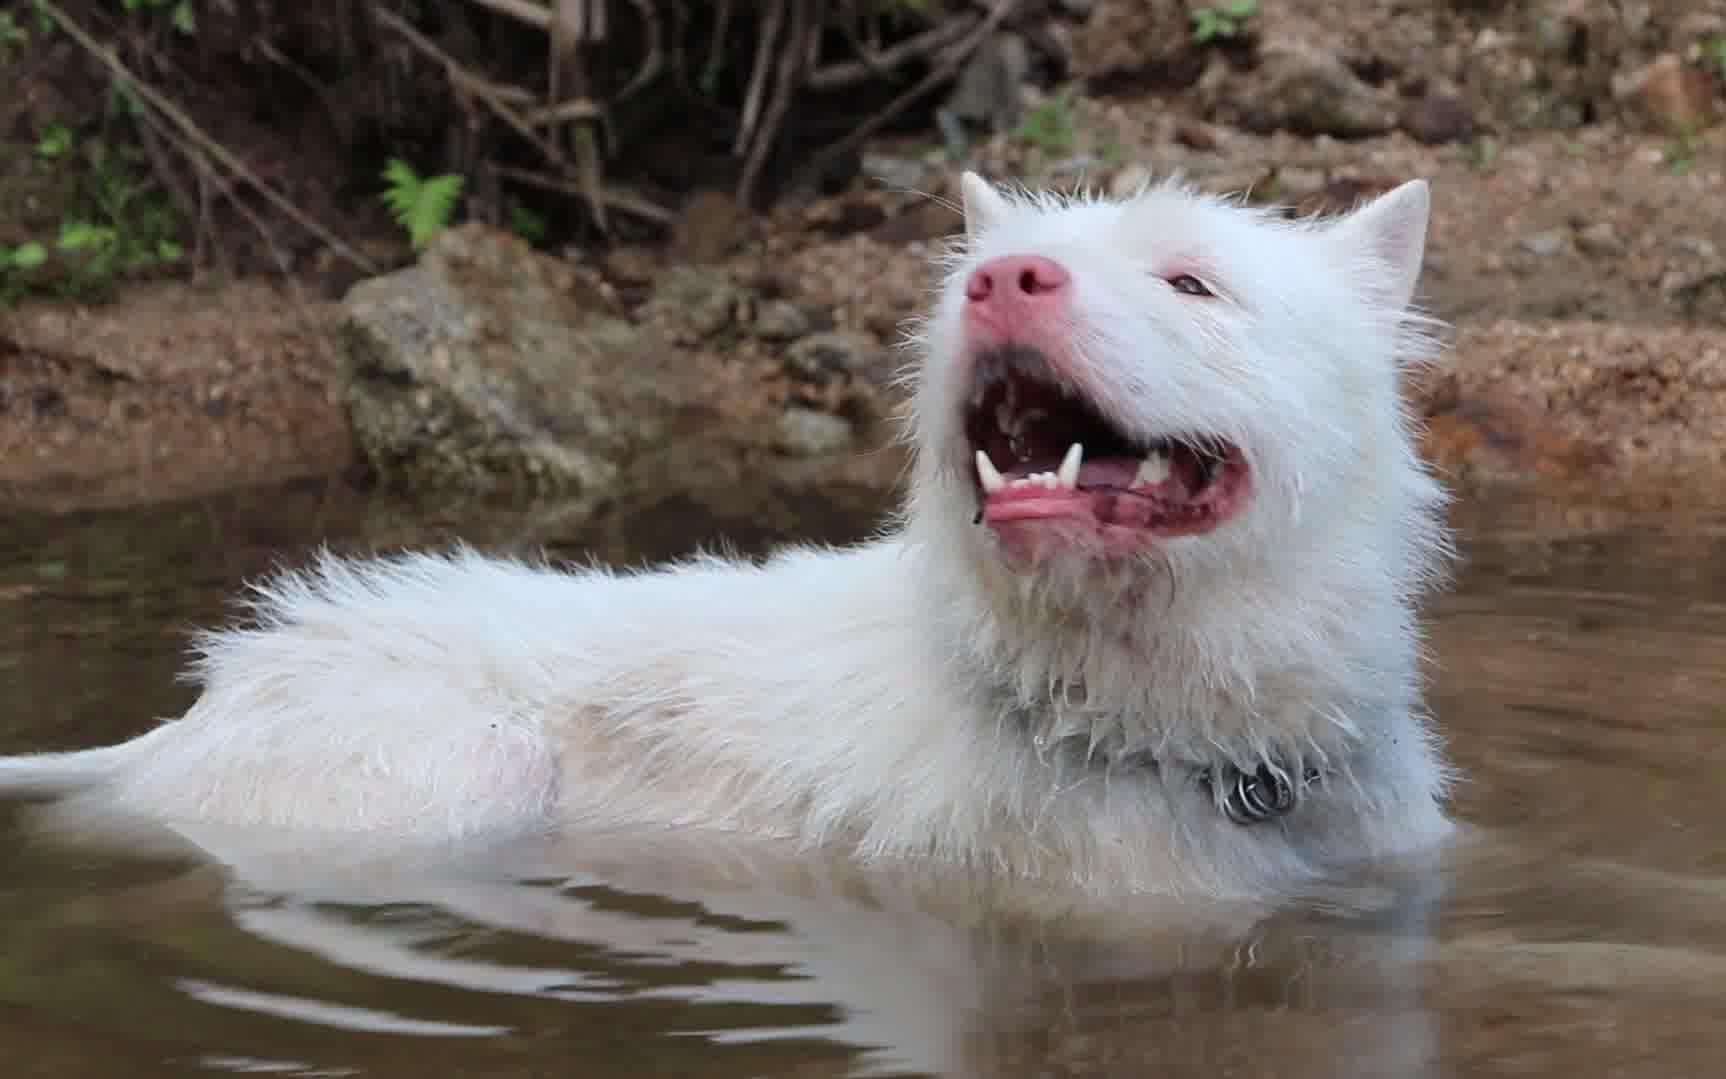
x: 1581, y: 263
x: 173, y: 392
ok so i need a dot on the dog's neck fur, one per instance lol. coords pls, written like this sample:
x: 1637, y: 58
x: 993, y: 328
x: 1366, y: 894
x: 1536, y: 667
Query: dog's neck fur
x: 1139, y: 662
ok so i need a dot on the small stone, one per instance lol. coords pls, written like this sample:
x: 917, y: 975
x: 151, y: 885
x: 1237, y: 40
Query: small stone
x: 1545, y: 244
x: 780, y: 320
x: 894, y: 173
x: 694, y: 302
x: 1305, y: 90
x: 1700, y: 246
x: 631, y: 265
x: 1197, y: 136
x: 1600, y: 238
x: 1439, y: 118
x: 824, y: 356
x: 804, y: 432
x: 710, y: 227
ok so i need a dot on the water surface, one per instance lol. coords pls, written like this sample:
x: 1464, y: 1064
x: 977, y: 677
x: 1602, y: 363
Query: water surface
x: 1581, y: 680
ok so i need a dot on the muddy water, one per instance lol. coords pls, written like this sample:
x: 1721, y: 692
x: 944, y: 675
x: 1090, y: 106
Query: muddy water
x: 1580, y: 930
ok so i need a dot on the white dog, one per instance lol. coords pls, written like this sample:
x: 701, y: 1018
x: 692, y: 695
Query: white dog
x: 1149, y: 621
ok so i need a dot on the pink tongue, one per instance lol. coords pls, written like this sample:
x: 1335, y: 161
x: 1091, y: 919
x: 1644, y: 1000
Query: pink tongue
x: 1109, y: 472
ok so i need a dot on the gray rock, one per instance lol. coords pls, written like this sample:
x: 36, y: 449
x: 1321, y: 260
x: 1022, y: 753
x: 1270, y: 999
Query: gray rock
x: 694, y: 303
x: 1545, y: 244
x: 804, y: 432
x: 895, y: 173
x: 487, y: 367
x: 1600, y: 238
x: 779, y: 320
x: 823, y: 357
x: 1304, y: 89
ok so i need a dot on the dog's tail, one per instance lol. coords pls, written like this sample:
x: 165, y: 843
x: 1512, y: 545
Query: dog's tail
x: 60, y: 773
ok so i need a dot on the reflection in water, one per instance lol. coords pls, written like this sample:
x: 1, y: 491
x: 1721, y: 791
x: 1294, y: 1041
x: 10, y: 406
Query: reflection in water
x: 1581, y: 930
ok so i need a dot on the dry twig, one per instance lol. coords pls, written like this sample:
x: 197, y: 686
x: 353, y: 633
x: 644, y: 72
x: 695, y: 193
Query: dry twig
x: 519, y: 10
x: 790, y: 71
x: 618, y: 200
x: 759, y: 75
x: 655, y: 58
x: 870, y: 65
x: 950, y: 63
x: 465, y: 80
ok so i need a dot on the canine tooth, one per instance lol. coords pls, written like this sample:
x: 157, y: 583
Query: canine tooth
x: 1068, y: 476
x: 991, y: 476
x: 1153, y: 470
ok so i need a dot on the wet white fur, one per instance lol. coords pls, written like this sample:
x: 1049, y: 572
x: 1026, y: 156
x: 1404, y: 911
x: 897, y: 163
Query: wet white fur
x: 914, y: 696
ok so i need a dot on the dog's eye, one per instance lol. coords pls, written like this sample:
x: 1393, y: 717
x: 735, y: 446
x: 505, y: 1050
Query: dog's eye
x: 1188, y: 284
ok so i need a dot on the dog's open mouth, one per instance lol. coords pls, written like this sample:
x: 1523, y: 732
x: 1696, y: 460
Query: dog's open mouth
x: 1042, y: 453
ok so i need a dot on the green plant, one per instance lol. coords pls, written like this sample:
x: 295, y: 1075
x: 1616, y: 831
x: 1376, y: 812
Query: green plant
x: 1681, y: 153
x: 1223, y: 21
x: 45, y: 23
x: 181, y: 13
x: 421, y: 206
x: 527, y: 224
x: 1049, y: 126
x: 11, y: 34
x: 1483, y: 152
x: 55, y: 142
x: 1714, y: 50
x: 112, y: 223
x: 26, y: 256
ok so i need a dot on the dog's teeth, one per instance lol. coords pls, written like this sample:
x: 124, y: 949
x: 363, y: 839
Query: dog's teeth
x: 1154, y: 469
x: 1049, y: 480
x: 987, y: 472
x: 1068, y: 476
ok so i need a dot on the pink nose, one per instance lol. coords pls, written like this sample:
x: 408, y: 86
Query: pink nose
x: 1015, y: 280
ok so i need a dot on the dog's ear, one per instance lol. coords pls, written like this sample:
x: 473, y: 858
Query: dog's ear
x: 983, y: 204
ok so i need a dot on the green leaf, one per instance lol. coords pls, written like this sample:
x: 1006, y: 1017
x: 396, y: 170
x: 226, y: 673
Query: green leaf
x: 28, y: 256
x: 55, y: 141
x: 169, y: 251
x: 83, y: 236
x: 10, y: 32
x: 423, y: 207
x: 527, y: 224
x: 184, y: 18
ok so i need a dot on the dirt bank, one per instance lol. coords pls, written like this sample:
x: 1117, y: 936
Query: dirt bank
x: 1577, y: 252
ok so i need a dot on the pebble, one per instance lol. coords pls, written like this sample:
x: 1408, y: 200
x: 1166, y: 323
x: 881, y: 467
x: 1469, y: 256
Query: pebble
x: 780, y: 320
x: 1545, y: 244
x: 804, y: 432
x: 819, y: 357
x: 1600, y: 238
x: 894, y: 173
